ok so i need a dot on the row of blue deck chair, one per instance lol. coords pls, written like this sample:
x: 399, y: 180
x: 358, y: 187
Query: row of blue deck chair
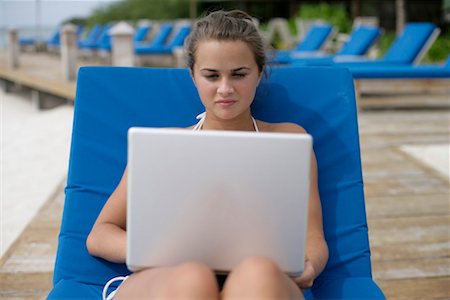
x: 401, y: 71
x: 400, y: 61
x: 408, y: 48
x: 361, y: 39
x: 54, y: 41
x: 164, y: 41
x: 98, y: 38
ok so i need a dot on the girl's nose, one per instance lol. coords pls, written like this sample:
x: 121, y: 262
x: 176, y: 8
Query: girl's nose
x: 225, y: 87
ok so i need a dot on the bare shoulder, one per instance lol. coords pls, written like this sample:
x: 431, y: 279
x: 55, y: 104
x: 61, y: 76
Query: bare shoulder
x: 286, y: 127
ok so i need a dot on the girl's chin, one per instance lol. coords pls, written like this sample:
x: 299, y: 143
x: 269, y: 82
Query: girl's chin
x: 224, y: 114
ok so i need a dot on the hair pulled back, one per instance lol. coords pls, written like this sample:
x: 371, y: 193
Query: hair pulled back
x: 222, y: 25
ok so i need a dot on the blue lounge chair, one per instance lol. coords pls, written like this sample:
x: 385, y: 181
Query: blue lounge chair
x: 159, y: 39
x: 31, y: 41
x: 176, y: 41
x: 315, y: 40
x: 55, y: 40
x: 401, y: 71
x: 408, y: 48
x: 109, y: 100
x: 105, y: 43
x: 92, y: 39
x: 361, y: 40
x: 414, y: 80
x: 27, y: 41
x: 102, y: 42
x: 142, y: 32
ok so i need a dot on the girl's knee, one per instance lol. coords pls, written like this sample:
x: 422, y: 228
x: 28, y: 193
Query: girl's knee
x: 192, y: 271
x: 187, y: 281
x: 260, y: 277
x: 192, y: 278
x: 258, y: 267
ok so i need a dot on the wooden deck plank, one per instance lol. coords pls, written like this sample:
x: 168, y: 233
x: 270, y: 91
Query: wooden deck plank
x: 404, y: 101
x: 404, y: 86
x: 25, y: 286
x: 424, y: 229
x: 26, y: 270
x: 55, y: 87
x: 416, y: 288
x: 407, y: 269
x: 388, y: 206
x: 405, y: 186
x: 408, y: 251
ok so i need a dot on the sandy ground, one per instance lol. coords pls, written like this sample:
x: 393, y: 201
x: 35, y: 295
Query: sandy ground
x: 34, y: 156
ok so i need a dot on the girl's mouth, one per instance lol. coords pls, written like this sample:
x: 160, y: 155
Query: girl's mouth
x: 225, y: 102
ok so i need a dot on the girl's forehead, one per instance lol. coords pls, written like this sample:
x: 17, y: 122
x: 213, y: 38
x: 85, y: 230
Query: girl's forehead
x: 224, y: 54
x: 236, y: 45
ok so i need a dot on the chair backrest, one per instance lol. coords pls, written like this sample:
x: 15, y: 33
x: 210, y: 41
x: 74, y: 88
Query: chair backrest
x: 316, y: 38
x: 178, y: 39
x: 141, y: 32
x: 55, y: 38
x: 80, y: 30
x: 93, y: 34
x: 361, y: 39
x: 410, y: 46
x: 161, y: 36
x: 105, y: 40
x: 109, y: 100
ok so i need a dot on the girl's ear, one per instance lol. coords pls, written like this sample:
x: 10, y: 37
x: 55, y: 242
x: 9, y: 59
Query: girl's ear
x: 192, y: 77
x: 261, y: 74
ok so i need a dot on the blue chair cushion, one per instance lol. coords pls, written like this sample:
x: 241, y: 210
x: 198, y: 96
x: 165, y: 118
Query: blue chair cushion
x: 157, y: 42
x: 361, y: 39
x: 109, y: 100
x: 401, y: 72
x: 92, y: 39
x: 176, y: 41
x: 141, y: 33
x: 409, y: 45
x: 315, y: 38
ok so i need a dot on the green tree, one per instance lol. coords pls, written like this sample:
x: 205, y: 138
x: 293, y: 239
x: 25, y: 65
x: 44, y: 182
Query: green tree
x: 335, y: 14
x: 133, y: 10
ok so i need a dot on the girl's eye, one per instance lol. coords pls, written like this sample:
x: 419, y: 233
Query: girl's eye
x: 211, y: 76
x: 239, y: 75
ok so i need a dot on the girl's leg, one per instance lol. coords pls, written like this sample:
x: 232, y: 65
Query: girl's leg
x: 259, y: 278
x: 186, y: 281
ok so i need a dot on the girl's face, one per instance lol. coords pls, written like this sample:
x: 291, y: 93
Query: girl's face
x: 226, y: 76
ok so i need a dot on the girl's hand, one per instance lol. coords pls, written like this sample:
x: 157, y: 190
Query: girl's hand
x: 306, y: 280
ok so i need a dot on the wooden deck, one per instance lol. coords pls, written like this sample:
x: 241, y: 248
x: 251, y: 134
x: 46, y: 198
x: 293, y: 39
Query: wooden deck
x: 407, y: 207
x: 407, y: 203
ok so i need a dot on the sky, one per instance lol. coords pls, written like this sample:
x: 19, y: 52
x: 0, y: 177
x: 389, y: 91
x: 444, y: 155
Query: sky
x: 22, y: 13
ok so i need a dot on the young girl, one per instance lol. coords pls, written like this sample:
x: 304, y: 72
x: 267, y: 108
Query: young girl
x: 226, y: 57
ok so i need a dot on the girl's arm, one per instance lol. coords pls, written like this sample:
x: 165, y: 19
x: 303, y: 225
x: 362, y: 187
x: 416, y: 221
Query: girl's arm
x: 316, y: 246
x: 107, y: 238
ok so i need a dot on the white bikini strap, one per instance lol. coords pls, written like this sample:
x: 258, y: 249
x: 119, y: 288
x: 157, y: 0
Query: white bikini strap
x: 199, y: 125
x: 108, y: 284
x: 202, y: 118
x: 255, y: 125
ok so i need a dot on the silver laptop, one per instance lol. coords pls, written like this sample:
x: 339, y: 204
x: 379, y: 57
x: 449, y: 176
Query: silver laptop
x: 216, y: 197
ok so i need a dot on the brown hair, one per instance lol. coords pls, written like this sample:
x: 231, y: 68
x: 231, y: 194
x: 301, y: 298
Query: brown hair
x: 222, y: 25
